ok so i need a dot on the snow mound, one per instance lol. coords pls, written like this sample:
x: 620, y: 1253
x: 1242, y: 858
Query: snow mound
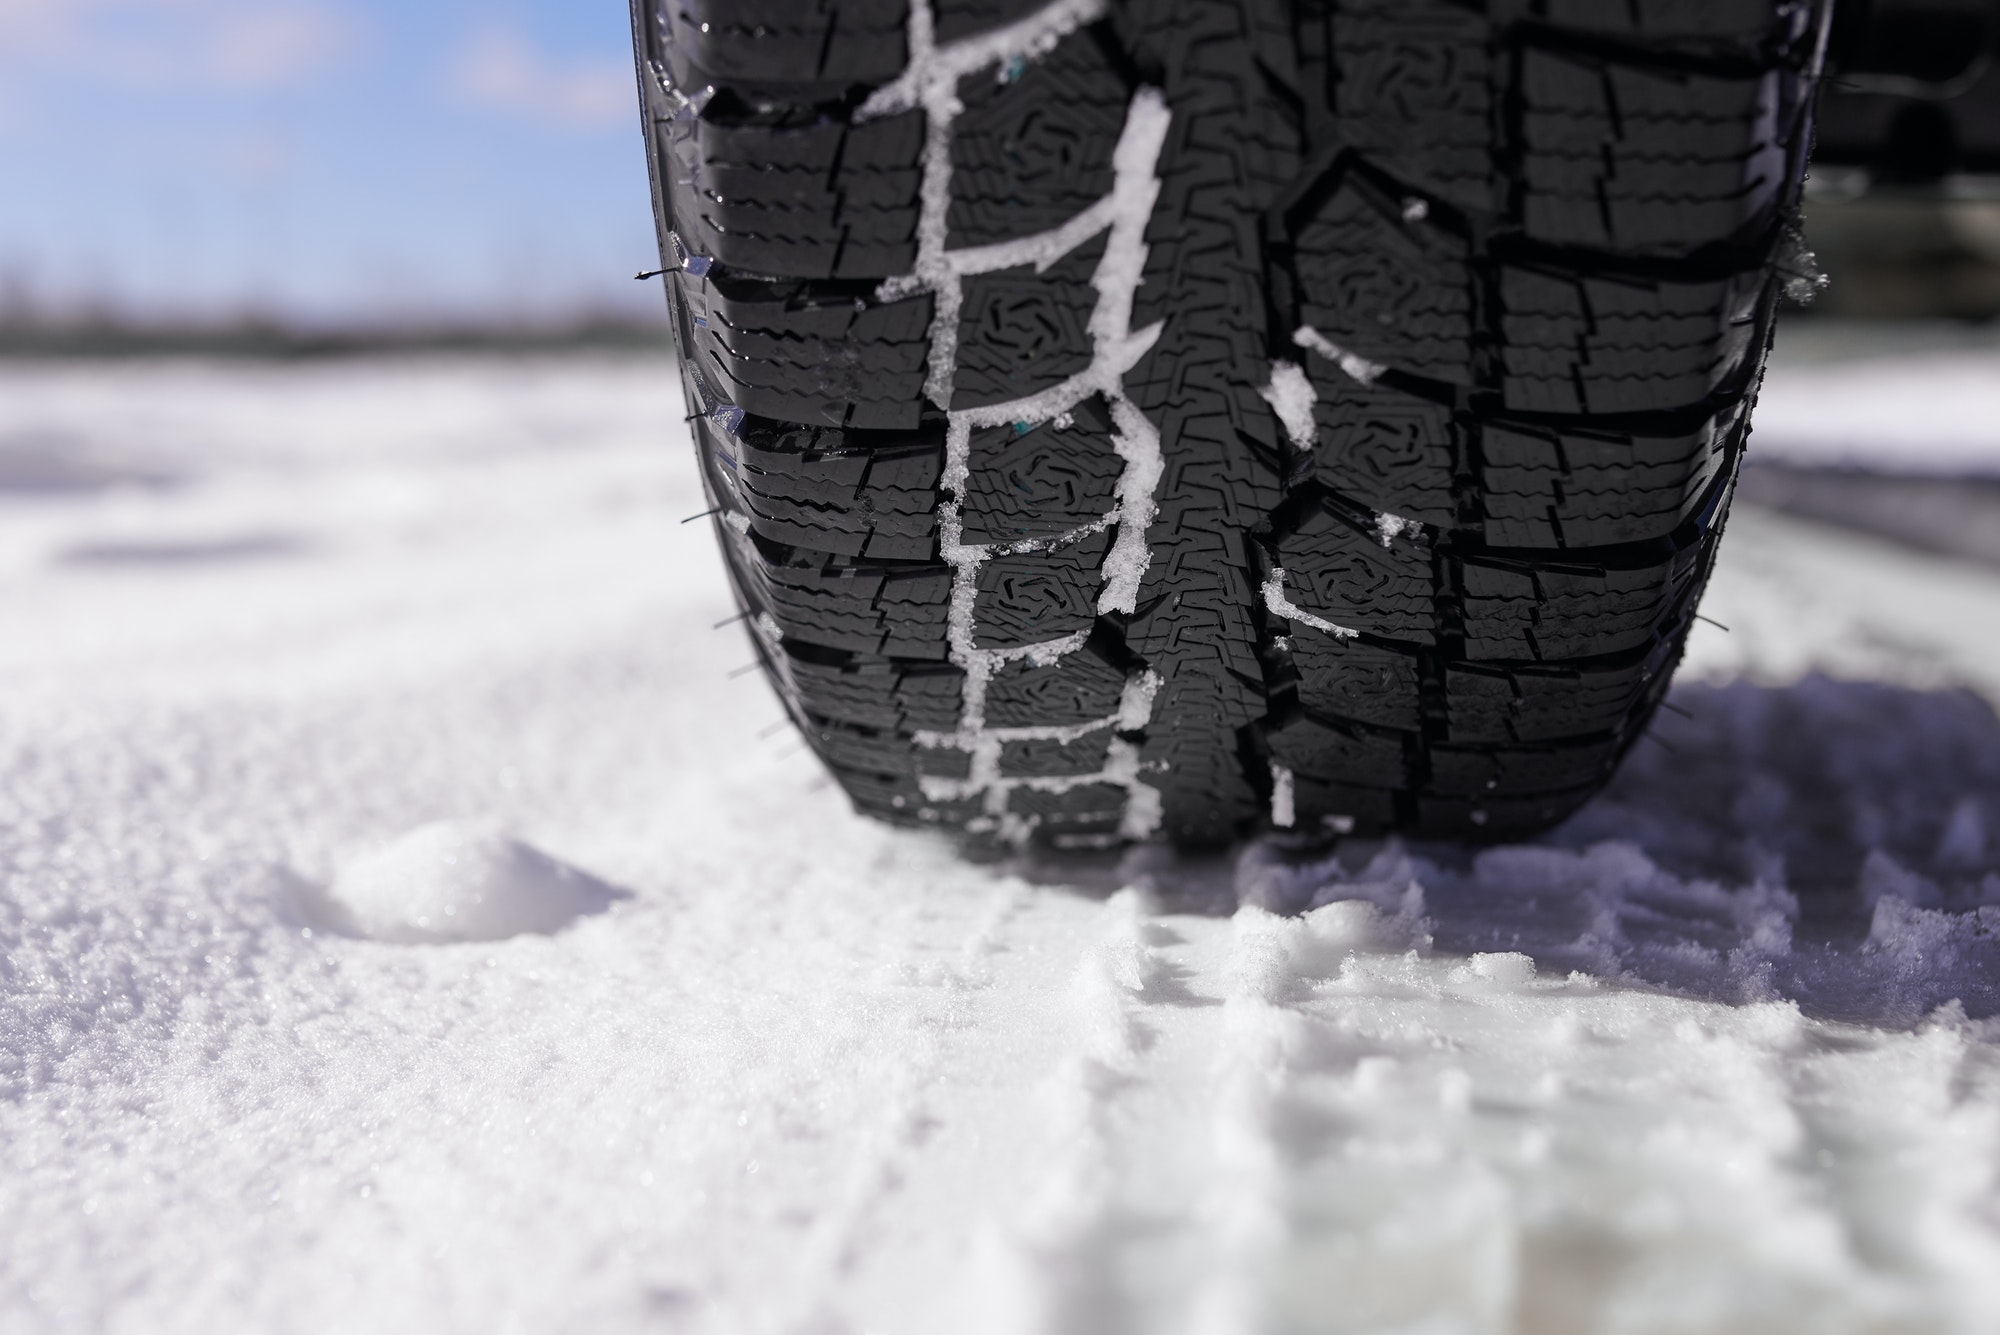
x: 461, y: 881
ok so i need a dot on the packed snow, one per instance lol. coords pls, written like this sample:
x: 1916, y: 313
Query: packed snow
x: 414, y: 921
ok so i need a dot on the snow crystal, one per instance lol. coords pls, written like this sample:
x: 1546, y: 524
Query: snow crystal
x: 461, y: 881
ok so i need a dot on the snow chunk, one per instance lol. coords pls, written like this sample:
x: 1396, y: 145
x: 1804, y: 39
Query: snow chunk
x: 1388, y: 527
x: 1283, y: 811
x: 1507, y: 968
x: 1360, y: 368
x: 1291, y: 397
x: 1135, y: 704
x: 1279, y: 605
x: 462, y: 881
x: 1138, y: 444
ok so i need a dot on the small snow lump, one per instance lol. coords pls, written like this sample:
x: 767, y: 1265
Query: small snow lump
x: 464, y: 880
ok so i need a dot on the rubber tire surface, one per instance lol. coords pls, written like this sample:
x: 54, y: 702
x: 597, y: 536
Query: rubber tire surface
x: 1168, y: 418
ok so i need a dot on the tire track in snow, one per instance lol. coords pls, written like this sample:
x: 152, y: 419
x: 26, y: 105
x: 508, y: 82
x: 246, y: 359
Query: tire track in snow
x: 1246, y: 1209
x: 1402, y: 1140
x: 836, y: 1245
x: 1904, y: 1131
x: 1265, y: 1036
x: 1052, y: 1269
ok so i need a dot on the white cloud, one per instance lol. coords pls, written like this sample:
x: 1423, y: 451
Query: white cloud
x: 276, y: 46
x: 224, y: 45
x: 501, y: 71
x: 26, y: 24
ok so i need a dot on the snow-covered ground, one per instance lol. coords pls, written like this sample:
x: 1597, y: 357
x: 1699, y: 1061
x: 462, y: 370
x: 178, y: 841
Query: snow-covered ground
x: 1922, y: 398
x: 412, y: 921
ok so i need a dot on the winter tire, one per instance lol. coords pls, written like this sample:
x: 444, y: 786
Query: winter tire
x: 1173, y: 418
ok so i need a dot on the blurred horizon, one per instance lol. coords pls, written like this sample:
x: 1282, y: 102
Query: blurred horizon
x: 324, y: 166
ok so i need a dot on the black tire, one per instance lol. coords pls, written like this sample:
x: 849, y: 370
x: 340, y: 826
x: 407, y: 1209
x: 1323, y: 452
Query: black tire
x: 1169, y: 418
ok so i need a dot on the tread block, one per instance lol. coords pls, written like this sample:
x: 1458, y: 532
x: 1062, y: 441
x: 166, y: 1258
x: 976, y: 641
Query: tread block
x: 1044, y: 757
x: 1599, y: 344
x: 1033, y: 146
x: 928, y: 696
x: 1495, y: 815
x: 900, y: 612
x: 1740, y: 19
x: 1339, y: 753
x: 1547, y: 487
x: 1394, y: 292
x: 877, y: 751
x: 802, y: 46
x: 1040, y: 480
x: 875, y: 693
x: 1090, y: 807
x: 1520, y: 770
x: 1343, y: 807
x: 941, y: 762
x: 828, y: 490
x: 1535, y: 704
x: 1028, y: 597
x: 899, y: 800
x: 958, y: 19
x: 1647, y: 160
x: 1548, y: 612
x: 1339, y: 571
x: 807, y: 354
x: 1351, y: 679
x: 1389, y: 451
x: 1076, y: 688
x: 1021, y: 332
x: 825, y: 199
x: 1413, y: 92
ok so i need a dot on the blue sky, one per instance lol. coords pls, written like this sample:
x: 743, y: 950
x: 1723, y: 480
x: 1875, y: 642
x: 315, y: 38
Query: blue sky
x: 321, y: 160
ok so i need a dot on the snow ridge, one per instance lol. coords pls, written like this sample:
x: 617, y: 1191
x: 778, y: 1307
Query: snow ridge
x: 930, y: 82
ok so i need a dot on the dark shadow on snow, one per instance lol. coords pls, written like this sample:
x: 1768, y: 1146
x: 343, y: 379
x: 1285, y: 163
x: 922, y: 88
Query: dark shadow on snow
x: 1833, y: 843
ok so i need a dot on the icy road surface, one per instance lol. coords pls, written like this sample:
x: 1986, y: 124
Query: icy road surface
x: 411, y: 923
